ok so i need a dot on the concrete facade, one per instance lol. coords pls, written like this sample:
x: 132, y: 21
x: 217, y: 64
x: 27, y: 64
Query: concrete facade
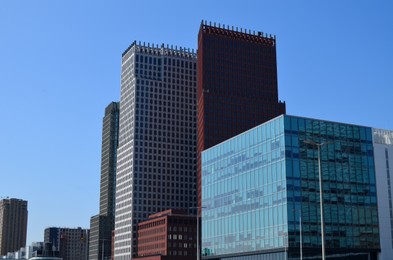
x: 156, y: 157
x: 13, y: 225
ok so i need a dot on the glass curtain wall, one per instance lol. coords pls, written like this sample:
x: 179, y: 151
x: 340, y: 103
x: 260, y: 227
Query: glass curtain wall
x: 244, y: 192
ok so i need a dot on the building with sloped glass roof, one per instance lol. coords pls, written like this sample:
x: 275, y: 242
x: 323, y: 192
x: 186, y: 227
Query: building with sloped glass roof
x: 260, y: 192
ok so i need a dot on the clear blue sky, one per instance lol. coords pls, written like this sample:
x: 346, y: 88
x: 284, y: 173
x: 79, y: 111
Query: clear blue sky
x: 60, y: 66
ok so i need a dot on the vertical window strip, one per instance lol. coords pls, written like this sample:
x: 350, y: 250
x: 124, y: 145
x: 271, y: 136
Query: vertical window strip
x: 389, y: 192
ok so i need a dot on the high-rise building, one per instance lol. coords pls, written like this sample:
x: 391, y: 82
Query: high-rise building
x: 71, y: 243
x: 13, y: 225
x: 261, y: 193
x: 110, y: 132
x: 237, y: 83
x: 99, y: 244
x: 102, y: 225
x: 156, y: 156
x: 383, y: 152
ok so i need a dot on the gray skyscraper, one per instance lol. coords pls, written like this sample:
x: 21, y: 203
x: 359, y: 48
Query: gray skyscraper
x: 13, y: 225
x: 101, y: 225
x: 156, y: 162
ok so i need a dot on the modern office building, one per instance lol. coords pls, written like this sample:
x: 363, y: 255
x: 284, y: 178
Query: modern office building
x: 156, y: 156
x: 71, y: 243
x: 237, y: 83
x: 170, y: 234
x: 13, y: 225
x: 383, y: 152
x: 261, y: 192
x: 102, y: 225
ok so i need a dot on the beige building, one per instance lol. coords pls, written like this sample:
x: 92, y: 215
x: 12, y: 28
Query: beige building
x: 13, y: 225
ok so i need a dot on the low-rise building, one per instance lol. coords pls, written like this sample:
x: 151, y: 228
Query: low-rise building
x: 170, y: 234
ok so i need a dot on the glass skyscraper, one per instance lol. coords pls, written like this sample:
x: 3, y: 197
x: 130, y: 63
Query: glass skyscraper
x: 261, y: 188
x: 156, y: 156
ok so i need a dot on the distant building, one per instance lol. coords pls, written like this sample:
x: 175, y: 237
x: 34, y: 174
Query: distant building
x: 261, y: 192
x: 383, y: 152
x: 36, y: 248
x: 71, y: 243
x: 13, y: 225
x: 102, y: 225
x: 156, y: 158
x: 19, y: 254
x: 41, y: 249
x: 170, y: 234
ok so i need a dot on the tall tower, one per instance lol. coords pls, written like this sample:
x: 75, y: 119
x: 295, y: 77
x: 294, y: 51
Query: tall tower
x: 237, y: 84
x: 156, y: 158
x: 13, y: 225
x: 110, y: 140
x: 101, y: 225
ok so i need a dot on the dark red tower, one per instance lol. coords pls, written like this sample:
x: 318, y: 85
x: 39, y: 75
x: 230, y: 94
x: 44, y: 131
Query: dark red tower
x: 237, y: 84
